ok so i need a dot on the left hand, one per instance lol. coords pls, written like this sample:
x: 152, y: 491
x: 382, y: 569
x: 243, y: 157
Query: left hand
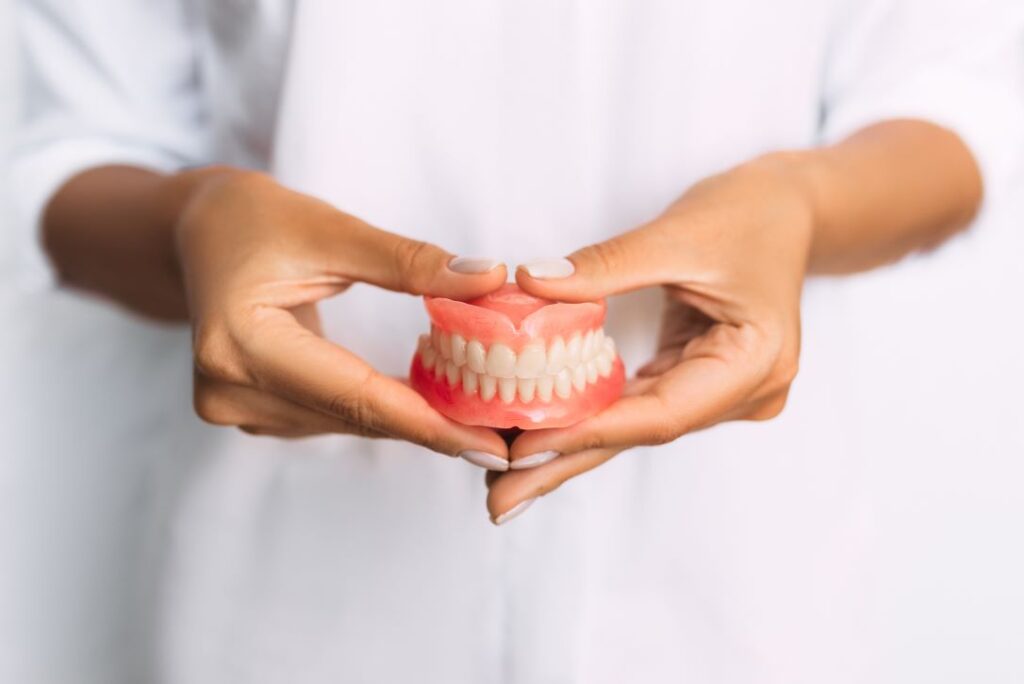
x: 731, y: 255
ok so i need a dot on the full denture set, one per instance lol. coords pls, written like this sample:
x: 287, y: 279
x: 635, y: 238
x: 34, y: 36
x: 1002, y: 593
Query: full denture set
x: 509, y: 359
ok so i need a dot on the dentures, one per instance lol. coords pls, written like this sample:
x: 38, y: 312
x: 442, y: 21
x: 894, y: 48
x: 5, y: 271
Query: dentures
x: 510, y: 359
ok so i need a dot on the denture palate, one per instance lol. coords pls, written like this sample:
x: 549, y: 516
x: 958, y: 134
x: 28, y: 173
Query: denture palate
x: 537, y: 373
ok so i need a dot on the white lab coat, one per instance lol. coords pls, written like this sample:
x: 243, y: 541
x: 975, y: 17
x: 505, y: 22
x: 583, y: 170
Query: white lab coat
x: 825, y: 546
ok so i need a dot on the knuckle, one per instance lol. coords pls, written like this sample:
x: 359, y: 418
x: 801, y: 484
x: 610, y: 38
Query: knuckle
x: 771, y: 408
x: 214, y: 355
x: 411, y: 257
x: 665, y: 432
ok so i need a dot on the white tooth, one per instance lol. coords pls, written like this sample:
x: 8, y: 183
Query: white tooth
x: 604, y: 363
x: 545, y: 384
x: 476, y: 357
x: 556, y: 356
x: 451, y: 371
x: 501, y: 361
x: 527, y: 386
x: 531, y: 361
x: 591, y: 371
x: 469, y: 381
x: 598, y: 340
x: 429, y: 358
x: 458, y: 349
x: 579, y: 377
x: 572, y: 351
x: 588, y: 346
x: 488, y: 387
x: 445, y: 349
x: 422, y: 343
x: 609, y: 345
x: 563, y: 384
x: 506, y: 390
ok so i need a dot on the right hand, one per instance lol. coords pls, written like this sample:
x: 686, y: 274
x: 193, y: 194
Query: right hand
x: 255, y: 259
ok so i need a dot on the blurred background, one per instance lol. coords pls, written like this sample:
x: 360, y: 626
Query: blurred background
x: 951, y: 525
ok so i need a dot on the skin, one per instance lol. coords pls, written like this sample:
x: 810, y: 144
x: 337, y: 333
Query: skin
x: 245, y: 261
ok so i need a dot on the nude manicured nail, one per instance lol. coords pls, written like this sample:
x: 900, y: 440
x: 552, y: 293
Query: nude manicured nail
x: 484, y: 459
x: 549, y: 268
x: 514, y: 511
x: 533, y: 460
x: 470, y: 265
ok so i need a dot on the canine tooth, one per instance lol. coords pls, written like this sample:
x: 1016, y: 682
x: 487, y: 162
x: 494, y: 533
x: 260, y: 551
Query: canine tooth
x: 451, y: 371
x: 506, y: 390
x: 588, y: 346
x: 531, y: 361
x: 579, y: 377
x: 545, y: 384
x: 556, y: 356
x: 604, y: 363
x: 591, y: 366
x: 428, y: 356
x: 572, y: 350
x: 527, y: 386
x: 563, y: 384
x: 458, y: 349
x: 476, y: 356
x: 488, y: 387
x: 469, y: 381
x: 501, y: 361
x: 598, y: 340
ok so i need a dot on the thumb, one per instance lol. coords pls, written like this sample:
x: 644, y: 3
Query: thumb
x: 397, y: 263
x: 639, y: 258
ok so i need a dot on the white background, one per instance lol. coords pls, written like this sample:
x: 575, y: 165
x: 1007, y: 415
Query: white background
x: 952, y: 524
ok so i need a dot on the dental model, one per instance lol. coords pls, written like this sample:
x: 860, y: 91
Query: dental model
x: 509, y: 359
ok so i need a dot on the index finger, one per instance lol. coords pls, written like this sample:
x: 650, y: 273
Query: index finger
x: 291, y: 361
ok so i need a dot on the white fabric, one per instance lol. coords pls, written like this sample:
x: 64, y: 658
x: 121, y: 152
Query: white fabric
x: 824, y: 546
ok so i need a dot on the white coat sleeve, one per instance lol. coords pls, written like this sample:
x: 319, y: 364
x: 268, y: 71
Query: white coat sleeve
x: 103, y: 82
x: 956, y: 63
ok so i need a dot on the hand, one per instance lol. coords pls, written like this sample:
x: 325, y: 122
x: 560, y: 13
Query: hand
x: 731, y: 255
x: 255, y: 259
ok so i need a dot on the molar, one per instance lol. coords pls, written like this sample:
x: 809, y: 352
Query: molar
x: 604, y: 363
x: 591, y: 367
x: 429, y: 357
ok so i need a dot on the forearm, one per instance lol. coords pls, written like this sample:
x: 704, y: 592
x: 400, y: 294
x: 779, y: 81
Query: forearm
x: 110, y: 231
x: 889, y: 190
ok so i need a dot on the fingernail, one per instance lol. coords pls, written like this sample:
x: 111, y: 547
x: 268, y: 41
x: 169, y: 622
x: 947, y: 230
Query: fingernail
x: 514, y: 511
x: 473, y: 265
x: 533, y: 460
x: 549, y: 268
x: 484, y: 459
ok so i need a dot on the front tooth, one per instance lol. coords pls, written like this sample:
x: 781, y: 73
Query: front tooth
x: 588, y: 346
x: 445, y: 347
x: 476, y: 356
x: 506, y: 390
x: 488, y: 387
x: 531, y: 361
x: 451, y: 371
x: 579, y: 377
x: 545, y: 384
x: 469, y: 381
x: 458, y: 349
x: 556, y: 356
x: 429, y: 358
x: 604, y: 363
x: 501, y: 361
x: 527, y: 386
x: 591, y: 371
x: 572, y: 350
x: 563, y: 383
